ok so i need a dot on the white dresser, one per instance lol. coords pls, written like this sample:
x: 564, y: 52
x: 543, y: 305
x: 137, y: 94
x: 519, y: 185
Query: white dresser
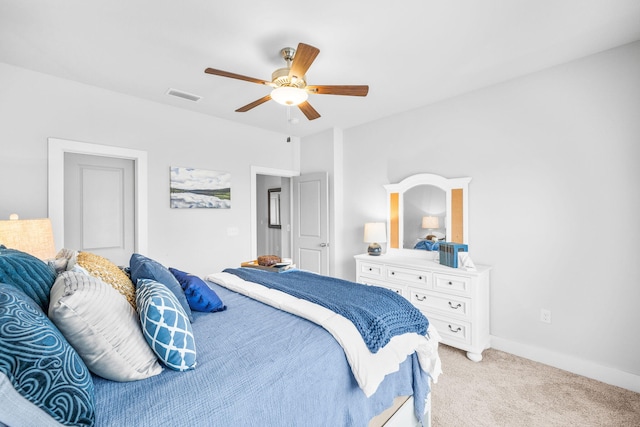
x: 455, y: 301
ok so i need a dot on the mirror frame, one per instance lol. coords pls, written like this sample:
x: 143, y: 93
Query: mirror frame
x: 457, y: 202
x: 273, y: 210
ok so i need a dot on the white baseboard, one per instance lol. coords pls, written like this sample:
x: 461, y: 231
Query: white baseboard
x: 569, y: 363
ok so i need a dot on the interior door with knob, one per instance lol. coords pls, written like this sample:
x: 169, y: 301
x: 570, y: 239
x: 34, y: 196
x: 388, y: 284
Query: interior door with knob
x: 311, y: 222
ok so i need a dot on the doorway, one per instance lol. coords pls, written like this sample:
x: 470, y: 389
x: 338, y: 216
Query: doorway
x: 56, y: 193
x: 273, y: 225
x: 302, y: 238
x: 99, y: 206
x: 270, y: 178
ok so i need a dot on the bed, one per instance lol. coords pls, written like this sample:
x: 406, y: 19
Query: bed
x: 256, y: 365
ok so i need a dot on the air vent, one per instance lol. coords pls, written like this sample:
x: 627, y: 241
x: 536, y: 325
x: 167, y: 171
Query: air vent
x: 184, y: 95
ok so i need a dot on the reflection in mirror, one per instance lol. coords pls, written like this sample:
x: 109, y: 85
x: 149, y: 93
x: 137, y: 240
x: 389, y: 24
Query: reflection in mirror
x: 425, y: 211
x: 274, y: 207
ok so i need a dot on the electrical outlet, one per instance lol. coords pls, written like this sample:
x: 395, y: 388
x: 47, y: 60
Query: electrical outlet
x: 545, y: 315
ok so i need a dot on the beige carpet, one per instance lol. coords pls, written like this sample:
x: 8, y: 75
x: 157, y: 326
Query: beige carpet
x: 506, y: 390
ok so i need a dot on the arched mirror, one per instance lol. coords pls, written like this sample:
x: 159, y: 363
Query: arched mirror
x: 427, y: 208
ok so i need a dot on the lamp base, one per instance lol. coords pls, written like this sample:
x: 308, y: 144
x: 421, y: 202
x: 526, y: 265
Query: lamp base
x: 374, y: 249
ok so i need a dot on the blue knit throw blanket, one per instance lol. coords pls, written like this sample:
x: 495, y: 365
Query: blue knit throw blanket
x: 379, y: 314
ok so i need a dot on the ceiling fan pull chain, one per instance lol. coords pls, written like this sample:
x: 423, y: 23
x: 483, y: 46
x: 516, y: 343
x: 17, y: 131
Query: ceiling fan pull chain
x: 289, y: 123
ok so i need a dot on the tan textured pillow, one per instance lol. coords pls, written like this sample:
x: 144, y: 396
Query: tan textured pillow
x: 110, y: 273
x: 102, y: 327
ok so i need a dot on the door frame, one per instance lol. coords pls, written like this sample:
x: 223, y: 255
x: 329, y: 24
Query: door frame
x: 57, y: 147
x: 255, y: 171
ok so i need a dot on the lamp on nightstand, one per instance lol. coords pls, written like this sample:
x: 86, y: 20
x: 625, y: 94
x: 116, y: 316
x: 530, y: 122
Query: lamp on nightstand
x: 430, y: 223
x: 375, y: 233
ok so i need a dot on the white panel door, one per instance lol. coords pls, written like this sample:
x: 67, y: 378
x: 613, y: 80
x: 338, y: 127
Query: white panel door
x: 311, y: 222
x: 99, y: 206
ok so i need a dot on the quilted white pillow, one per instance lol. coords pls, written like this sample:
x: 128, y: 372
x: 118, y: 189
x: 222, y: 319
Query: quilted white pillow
x: 102, y: 327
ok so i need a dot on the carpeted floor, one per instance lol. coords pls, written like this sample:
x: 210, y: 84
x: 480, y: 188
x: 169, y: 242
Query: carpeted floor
x: 507, y: 390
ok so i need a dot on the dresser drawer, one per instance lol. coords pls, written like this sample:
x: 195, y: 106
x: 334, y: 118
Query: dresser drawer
x: 452, y: 331
x: 447, y: 304
x: 452, y: 283
x: 371, y: 270
x: 409, y: 276
x: 399, y: 289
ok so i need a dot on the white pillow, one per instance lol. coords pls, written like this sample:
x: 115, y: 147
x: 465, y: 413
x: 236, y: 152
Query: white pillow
x: 102, y: 326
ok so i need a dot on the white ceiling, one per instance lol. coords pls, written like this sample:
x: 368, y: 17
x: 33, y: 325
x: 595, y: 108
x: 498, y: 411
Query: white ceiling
x: 410, y: 52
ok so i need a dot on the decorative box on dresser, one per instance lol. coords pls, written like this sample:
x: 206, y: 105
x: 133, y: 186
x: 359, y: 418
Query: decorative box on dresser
x: 455, y: 301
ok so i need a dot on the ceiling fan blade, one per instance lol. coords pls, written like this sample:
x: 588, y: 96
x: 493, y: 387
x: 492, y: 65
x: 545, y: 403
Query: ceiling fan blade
x: 308, y: 110
x: 235, y: 76
x: 361, y: 90
x: 253, y: 104
x: 305, y: 54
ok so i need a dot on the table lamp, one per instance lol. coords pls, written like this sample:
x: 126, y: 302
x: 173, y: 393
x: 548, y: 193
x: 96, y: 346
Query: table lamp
x: 375, y: 233
x: 430, y: 223
x: 33, y: 236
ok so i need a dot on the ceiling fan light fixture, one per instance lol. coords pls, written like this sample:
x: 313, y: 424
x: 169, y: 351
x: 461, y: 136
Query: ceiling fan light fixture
x: 287, y: 95
x: 289, y: 83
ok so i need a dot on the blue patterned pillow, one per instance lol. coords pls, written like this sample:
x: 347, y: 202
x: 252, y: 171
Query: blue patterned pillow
x: 165, y: 325
x: 147, y: 268
x: 28, y: 273
x: 200, y: 296
x: 41, y: 366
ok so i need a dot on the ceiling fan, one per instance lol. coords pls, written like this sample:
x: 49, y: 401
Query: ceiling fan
x: 289, y: 83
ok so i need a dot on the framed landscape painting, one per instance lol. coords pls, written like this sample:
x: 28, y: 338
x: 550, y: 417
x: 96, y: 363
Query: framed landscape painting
x: 198, y: 188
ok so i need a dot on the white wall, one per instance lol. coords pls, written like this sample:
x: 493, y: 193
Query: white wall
x: 34, y: 107
x: 554, y: 200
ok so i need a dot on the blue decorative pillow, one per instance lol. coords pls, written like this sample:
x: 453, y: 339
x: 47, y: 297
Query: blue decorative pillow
x: 40, y: 366
x: 146, y: 268
x: 28, y: 273
x: 200, y: 296
x: 165, y: 325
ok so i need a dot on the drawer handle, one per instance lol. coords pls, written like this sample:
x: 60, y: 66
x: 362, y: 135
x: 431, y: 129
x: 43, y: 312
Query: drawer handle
x: 370, y: 269
x: 455, y: 307
x: 450, y: 283
x: 393, y: 272
x: 419, y: 298
x: 455, y: 331
x: 419, y: 277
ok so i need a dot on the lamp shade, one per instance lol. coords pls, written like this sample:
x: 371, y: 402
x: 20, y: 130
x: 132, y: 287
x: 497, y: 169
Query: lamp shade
x: 375, y: 232
x: 430, y: 222
x: 33, y: 236
x: 287, y: 95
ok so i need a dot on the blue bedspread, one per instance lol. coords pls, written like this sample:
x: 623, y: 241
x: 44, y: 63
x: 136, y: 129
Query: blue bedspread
x: 257, y: 366
x: 377, y: 313
x: 427, y: 245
